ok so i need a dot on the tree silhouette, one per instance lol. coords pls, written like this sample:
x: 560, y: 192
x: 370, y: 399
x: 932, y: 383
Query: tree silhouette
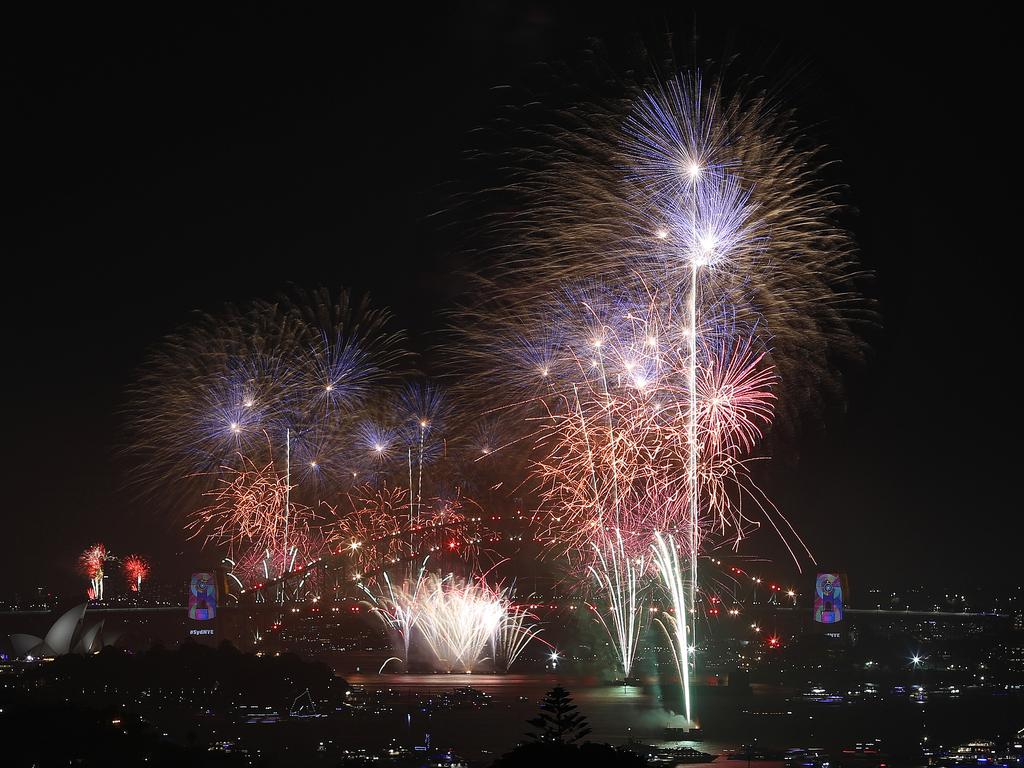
x: 558, y: 720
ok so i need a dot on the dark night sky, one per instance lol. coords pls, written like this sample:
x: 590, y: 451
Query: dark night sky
x: 157, y: 164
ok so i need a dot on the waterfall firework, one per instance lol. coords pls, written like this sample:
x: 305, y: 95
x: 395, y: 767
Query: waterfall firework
x: 455, y: 619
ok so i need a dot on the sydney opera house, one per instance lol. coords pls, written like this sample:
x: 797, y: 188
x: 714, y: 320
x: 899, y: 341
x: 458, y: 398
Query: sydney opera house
x: 69, y: 634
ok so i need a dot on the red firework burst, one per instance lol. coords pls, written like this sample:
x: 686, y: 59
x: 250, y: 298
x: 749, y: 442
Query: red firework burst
x: 136, y: 571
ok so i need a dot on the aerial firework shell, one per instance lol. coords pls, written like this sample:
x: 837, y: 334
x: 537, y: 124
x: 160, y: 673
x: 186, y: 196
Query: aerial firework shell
x: 246, y: 506
x: 91, y: 561
x: 136, y: 571
x: 598, y: 184
x: 234, y: 384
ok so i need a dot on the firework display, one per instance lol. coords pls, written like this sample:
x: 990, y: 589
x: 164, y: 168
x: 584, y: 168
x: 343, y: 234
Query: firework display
x: 679, y: 287
x: 455, y: 619
x: 620, y: 579
x: 287, y: 380
x: 136, y: 571
x: 677, y: 263
x: 91, y: 563
x: 651, y: 179
x: 297, y: 447
x: 379, y: 527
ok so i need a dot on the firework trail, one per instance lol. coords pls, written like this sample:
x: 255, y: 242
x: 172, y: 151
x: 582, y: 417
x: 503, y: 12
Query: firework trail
x: 136, y: 570
x: 703, y: 217
x: 91, y: 563
x: 621, y: 580
x: 422, y: 409
x: 678, y: 626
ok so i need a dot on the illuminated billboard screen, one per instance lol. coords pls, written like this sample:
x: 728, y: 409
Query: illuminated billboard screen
x: 202, y: 597
x: 829, y: 598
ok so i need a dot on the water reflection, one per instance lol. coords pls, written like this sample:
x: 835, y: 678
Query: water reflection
x: 771, y: 716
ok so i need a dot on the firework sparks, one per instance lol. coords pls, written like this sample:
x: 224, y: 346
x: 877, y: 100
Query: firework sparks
x: 136, y: 571
x: 293, y: 374
x: 455, y: 619
x: 613, y: 428
x: 640, y: 400
x: 91, y: 563
x: 376, y: 531
x: 247, y: 515
x: 676, y: 624
x: 620, y: 579
x: 516, y: 630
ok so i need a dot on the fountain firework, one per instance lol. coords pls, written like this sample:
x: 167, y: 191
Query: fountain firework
x: 398, y: 607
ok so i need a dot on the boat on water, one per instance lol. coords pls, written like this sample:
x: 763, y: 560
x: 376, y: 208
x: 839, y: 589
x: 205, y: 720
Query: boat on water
x: 983, y: 753
x: 820, y: 695
x: 866, y: 754
x: 669, y: 755
x: 794, y: 757
x: 683, y: 734
x: 806, y: 757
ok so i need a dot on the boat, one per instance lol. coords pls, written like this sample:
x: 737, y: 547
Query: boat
x: 750, y: 752
x: 668, y: 756
x: 683, y: 734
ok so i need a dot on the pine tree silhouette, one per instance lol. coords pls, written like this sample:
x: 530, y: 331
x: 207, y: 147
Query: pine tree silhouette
x: 558, y: 720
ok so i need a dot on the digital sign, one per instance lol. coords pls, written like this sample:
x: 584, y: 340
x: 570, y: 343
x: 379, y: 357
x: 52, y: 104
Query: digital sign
x: 829, y: 598
x: 202, y: 596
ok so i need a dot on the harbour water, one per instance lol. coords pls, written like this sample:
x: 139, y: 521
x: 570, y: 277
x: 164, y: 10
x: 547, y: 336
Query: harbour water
x: 771, y: 717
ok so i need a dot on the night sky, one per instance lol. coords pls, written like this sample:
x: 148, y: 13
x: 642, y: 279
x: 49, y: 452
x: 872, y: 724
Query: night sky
x: 153, y: 165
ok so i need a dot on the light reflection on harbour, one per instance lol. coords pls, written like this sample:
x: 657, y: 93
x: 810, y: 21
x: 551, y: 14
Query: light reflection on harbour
x: 770, y: 716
